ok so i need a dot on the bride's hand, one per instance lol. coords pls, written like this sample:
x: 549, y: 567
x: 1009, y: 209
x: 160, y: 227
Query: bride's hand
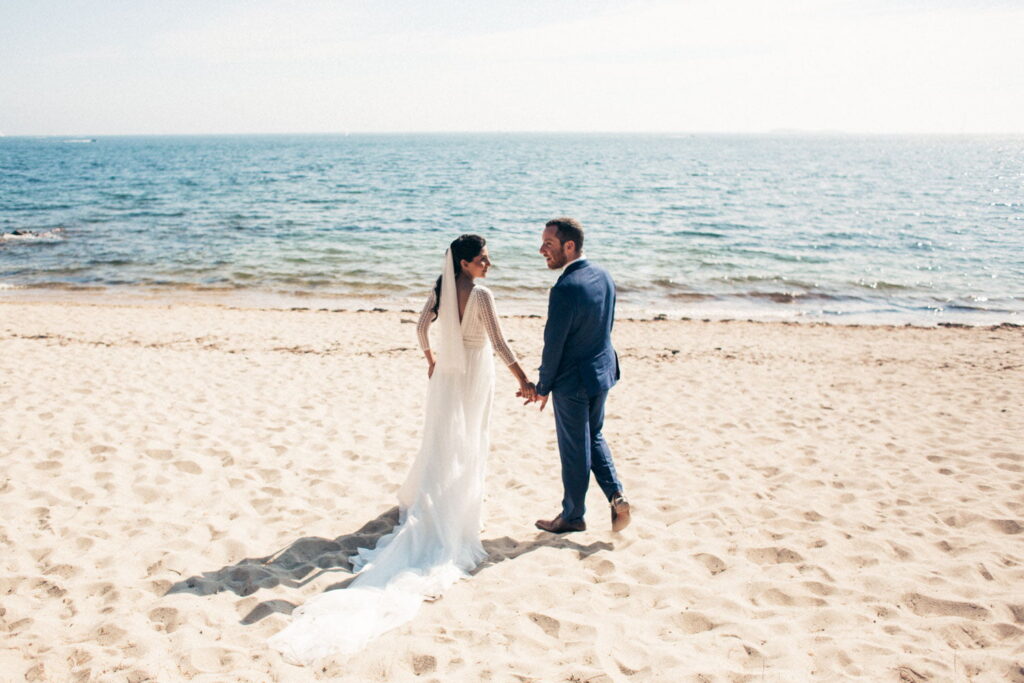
x: 430, y: 369
x: 528, y: 391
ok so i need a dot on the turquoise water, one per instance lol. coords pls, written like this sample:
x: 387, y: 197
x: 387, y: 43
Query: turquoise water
x: 897, y: 229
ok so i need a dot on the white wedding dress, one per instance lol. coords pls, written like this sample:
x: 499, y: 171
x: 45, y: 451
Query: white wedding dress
x: 437, y: 540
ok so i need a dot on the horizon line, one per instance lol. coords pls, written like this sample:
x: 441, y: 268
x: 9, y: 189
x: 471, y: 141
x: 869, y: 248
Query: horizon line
x: 823, y: 132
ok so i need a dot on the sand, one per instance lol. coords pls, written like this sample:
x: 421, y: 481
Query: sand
x: 811, y: 502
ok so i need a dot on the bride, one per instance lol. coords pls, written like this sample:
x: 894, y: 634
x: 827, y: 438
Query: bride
x: 437, y: 540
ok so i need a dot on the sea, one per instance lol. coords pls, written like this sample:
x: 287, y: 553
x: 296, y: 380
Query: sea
x: 848, y: 229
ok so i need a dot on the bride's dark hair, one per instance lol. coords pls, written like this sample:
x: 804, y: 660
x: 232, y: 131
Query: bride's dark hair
x: 463, y: 248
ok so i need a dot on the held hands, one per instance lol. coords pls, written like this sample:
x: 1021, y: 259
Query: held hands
x: 528, y: 391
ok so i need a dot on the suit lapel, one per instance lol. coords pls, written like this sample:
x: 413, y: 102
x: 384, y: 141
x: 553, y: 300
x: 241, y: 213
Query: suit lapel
x: 575, y: 265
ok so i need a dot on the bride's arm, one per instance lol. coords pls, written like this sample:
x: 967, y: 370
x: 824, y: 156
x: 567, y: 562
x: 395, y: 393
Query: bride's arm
x: 490, y: 319
x: 422, y: 327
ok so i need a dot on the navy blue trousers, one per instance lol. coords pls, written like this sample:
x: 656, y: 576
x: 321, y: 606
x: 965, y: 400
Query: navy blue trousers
x: 578, y: 422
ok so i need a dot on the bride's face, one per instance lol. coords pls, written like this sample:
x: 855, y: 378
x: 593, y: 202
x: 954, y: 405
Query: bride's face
x: 478, y: 266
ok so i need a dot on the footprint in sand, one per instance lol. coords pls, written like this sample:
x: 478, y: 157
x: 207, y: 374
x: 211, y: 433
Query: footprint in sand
x: 47, y: 588
x: 961, y: 519
x: 108, y: 634
x: 713, y: 564
x: 208, y: 660
x: 423, y: 664
x: 692, y: 622
x: 146, y: 493
x: 645, y: 575
x: 1007, y: 526
x: 774, y: 596
x: 819, y: 588
x: 924, y: 606
x: 80, y: 494
x: 549, y: 625
x: 165, y: 619
x: 604, y: 568
x: 64, y: 571
x: 17, y: 626
x: 618, y: 589
x: 773, y: 555
x: 269, y: 476
x: 971, y: 636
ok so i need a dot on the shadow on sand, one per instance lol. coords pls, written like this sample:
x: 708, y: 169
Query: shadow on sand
x: 309, y: 558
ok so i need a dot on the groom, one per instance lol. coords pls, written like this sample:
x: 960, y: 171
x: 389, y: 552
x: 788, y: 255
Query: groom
x: 578, y: 367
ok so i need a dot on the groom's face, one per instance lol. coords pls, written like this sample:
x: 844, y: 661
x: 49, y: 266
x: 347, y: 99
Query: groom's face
x: 552, y: 249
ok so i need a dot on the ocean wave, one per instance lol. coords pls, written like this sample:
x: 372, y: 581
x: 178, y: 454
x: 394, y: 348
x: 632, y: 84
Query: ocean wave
x: 788, y: 297
x: 692, y: 296
x: 37, y: 208
x: 719, y: 226
x: 696, y: 233
x: 515, y: 290
x: 152, y: 214
x: 845, y: 236
x: 53, y: 235
x: 306, y: 294
x: 961, y: 307
x: 882, y: 285
x: 783, y: 256
x: 66, y: 286
x: 755, y: 278
x: 179, y: 285
x: 120, y: 196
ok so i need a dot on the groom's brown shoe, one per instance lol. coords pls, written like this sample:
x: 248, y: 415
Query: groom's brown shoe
x: 620, y: 512
x: 560, y: 526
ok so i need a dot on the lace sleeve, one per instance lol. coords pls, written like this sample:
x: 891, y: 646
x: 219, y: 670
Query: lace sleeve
x: 423, y: 324
x: 489, y: 318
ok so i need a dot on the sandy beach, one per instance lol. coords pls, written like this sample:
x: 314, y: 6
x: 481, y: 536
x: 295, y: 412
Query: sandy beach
x: 811, y: 502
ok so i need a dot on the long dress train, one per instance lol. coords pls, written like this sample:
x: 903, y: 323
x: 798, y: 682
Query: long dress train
x: 437, y: 540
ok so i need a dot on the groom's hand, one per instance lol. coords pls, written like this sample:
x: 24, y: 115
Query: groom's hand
x: 543, y: 400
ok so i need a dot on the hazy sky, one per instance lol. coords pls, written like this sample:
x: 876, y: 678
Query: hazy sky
x: 222, y: 66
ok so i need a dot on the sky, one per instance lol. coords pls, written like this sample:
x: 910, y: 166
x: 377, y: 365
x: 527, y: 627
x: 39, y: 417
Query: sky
x: 87, y: 67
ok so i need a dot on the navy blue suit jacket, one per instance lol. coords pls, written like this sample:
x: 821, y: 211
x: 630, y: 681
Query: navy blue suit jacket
x: 578, y: 334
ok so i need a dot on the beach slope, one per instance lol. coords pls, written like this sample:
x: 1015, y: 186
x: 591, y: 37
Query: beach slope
x: 811, y: 502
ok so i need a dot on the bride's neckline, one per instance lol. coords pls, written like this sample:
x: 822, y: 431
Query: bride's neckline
x: 463, y: 309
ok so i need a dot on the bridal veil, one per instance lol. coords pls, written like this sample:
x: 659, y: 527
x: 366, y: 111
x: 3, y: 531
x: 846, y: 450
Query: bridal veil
x: 437, y: 540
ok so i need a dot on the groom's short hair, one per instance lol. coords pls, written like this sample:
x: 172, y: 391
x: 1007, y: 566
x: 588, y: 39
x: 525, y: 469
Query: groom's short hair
x: 568, y: 229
